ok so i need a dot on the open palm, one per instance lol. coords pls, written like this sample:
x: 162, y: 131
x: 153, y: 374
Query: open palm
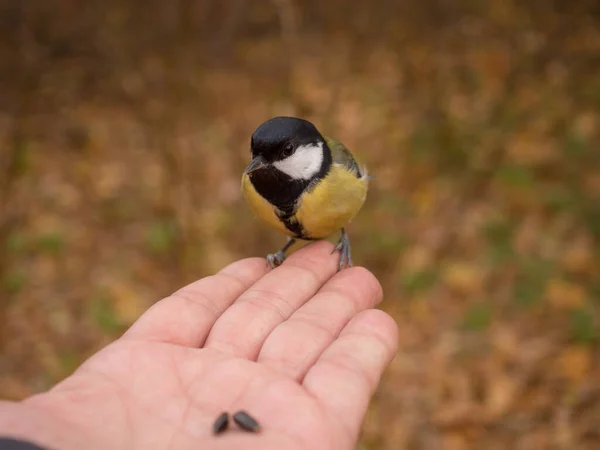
x: 298, y: 347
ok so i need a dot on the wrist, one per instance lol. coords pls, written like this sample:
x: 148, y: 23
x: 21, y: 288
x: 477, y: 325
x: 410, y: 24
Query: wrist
x: 39, y: 425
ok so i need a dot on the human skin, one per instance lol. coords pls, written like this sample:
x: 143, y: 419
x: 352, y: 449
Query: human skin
x: 300, y: 347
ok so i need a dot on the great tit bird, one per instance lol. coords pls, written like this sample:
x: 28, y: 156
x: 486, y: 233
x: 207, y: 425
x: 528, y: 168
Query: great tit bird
x: 303, y: 184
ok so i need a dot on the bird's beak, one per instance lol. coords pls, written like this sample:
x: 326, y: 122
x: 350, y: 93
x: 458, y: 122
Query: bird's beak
x: 257, y: 163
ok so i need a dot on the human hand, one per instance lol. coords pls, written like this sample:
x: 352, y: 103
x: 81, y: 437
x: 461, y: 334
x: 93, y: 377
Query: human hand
x: 298, y: 347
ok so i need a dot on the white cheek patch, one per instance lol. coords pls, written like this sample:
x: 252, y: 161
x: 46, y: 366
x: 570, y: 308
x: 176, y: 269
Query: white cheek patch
x: 304, y: 164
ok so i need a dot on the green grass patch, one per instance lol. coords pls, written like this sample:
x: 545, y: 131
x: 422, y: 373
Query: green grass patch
x: 499, y: 234
x: 423, y: 143
x: 444, y: 145
x: 420, y: 281
x: 574, y: 146
x: 560, y: 199
x: 583, y: 326
x: 596, y: 95
x: 477, y: 317
x: 21, y: 156
x: 68, y: 361
x: 531, y: 281
x: 103, y: 314
x: 591, y: 216
x: 15, y: 242
x: 13, y: 282
x: 161, y: 235
x: 395, y: 205
x: 51, y: 243
x: 595, y: 288
x: 117, y: 210
x: 386, y: 243
x: 515, y: 175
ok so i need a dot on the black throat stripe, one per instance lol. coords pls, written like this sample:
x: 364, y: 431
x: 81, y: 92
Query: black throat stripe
x: 283, y: 192
x: 288, y: 218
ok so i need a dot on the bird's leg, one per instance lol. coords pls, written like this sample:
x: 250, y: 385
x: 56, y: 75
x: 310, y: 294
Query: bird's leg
x: 343, y: 246
x: 275, y: 259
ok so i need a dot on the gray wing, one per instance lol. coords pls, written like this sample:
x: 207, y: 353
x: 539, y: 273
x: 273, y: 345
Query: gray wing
x: 342, y: 156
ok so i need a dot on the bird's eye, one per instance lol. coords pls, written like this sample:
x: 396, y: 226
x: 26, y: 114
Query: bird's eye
x: 288, y: 150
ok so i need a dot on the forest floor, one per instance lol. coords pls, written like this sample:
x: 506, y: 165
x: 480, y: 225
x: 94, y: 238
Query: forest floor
x: 123, y: 147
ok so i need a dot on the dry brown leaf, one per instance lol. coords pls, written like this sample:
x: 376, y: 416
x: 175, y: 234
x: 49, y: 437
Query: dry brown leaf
x: 531, y: 150
x: 533, y: 440
x: 126, y: 301
x: 528, y: 233
x: 457, y: 414
x: 455, y: 440
x: 109, y: 178
x: 61, y: 320
x: 586, y: 124
x: 420, y: 310
x: 575, y: 362
x: 417, y: 258
x: 12, y: 388
x: 424, y: 199
x: 464, y: 278
x: 579, y: 257
x: 563, y: 429
x: 47, y: 354
x: 505, y: 341
x: 565, y: 295
x: 591, y: 181
x: 501, y: 394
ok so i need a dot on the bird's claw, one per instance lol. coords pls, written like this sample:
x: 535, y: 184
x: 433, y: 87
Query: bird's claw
x: 275, y: 259
x: 343, y: 246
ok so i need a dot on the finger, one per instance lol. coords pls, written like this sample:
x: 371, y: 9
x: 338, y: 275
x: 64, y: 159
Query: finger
x: 186, y: 316
x: 243, y: 328
x: 347, y: 374
x: 296, y: 344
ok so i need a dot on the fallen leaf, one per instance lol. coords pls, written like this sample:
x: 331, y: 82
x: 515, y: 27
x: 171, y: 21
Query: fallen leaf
x: 586, y: 124
x: 505, y: 341
x: 501, y: 394
x: 420, y: 310
x: 565, y: 295
x: 591, y: 182
x: 575, y: 362
x: 417, y: 258
x: 530, y: 149
x: 579, y: 257
x: 455, y: 440
x: 12, y: 388
x: 126, y: 302
x: 463, y: 278
x: 424, y: 199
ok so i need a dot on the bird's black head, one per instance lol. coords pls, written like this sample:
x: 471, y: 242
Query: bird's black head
x: 288, y: 155
x: 278, y: 138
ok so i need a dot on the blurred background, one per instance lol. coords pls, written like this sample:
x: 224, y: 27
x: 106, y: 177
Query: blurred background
x: 124, y: 130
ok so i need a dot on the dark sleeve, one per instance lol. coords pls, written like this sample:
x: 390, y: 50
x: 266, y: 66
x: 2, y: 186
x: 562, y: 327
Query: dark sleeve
x: 15, y: 444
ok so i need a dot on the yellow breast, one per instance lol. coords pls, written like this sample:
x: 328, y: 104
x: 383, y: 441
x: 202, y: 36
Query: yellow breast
x: 323, y: 210
x: 332, y: 203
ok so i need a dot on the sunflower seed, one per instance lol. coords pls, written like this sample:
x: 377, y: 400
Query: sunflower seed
x: 245, y: 421
x: 221, y: 423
